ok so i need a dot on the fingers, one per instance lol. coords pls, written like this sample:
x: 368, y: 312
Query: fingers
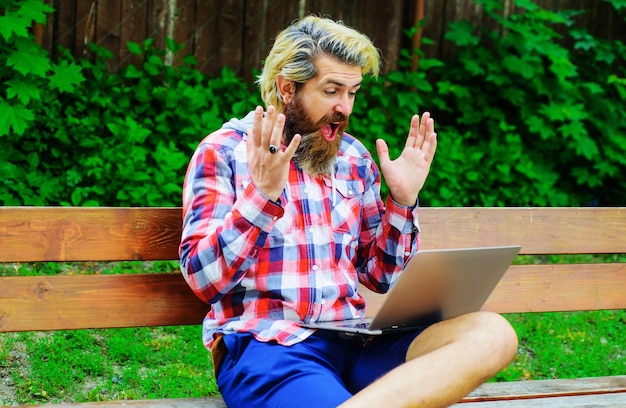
x: 411, y: 140
x: 430, y: 146
x: 419, y: 130
x: 383, y: 151
x: 257, y: 132
x: 267, y: 130
x: 273, y: 125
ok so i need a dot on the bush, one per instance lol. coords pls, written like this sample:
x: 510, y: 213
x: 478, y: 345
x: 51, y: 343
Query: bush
x: 522, y: 118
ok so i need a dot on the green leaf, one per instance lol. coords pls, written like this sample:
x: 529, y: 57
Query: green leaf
x: 190, y: 59
x: 23, y: 90
x: 76, y: 197
x: 171, y: 45
x: 18, y: 20
x: 66, y: 76
x: 29, y: 58
x: 10, y: 25
x: 461, y: 33
x: 16, y: 117
x: 34, y: 10
x: 134, y: 48
x: 32, y: 159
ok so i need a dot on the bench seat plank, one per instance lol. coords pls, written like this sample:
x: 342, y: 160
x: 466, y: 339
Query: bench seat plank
x: 573, y: 393
x: 548, y: 388
x: 209, y: 402
x: 576, y: 401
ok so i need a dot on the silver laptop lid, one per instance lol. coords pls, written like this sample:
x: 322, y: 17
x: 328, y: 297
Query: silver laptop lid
x: 447, y: 282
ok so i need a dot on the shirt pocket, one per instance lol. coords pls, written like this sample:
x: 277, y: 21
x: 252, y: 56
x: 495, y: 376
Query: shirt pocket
x: 346, y: 202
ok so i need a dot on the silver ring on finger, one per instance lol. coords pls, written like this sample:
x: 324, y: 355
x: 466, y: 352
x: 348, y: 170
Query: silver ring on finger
x: 273, y: 149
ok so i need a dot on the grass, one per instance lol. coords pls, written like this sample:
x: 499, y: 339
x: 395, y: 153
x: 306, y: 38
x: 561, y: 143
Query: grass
x: 171, y: 362
x: 99, y: 365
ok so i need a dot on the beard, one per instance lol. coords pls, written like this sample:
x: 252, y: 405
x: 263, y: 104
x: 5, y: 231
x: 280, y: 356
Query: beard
x: 315, y: 154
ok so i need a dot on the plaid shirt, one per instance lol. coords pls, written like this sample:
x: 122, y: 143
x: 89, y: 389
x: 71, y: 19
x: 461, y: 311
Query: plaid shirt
x: 264, y: 266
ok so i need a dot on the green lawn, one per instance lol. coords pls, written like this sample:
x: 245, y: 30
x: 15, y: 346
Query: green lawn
x: 96, y: 365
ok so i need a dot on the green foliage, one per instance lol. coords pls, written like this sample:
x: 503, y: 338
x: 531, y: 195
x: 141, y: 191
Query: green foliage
x: 529, y: 113
x: 525, y: 119
x: 25, y: 67
x: 121, y: 138
x: 528, y: 117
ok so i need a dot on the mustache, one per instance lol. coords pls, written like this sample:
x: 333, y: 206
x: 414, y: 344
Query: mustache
x: 336, y: 117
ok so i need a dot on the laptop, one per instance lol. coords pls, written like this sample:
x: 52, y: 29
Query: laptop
x: 435, y: 285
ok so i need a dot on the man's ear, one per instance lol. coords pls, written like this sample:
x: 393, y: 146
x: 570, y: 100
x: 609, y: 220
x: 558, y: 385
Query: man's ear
x: 286, y: 89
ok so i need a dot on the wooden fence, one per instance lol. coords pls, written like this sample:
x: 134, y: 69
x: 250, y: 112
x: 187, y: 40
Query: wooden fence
x: 239, y: 33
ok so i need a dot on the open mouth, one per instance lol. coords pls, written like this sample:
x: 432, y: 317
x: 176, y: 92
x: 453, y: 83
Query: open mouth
x: 329, y: 130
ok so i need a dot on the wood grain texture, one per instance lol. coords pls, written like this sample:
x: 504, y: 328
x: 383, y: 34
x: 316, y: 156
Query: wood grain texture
x: 548, y: 388
x: 42, y: 234
x: 32, y: 303
x: 108, y: 234
x: 244, y: 38
x: 549, y: 288
x: 539, y: 230
x: 574, y: 393
x: 612, y: 400
x: 33, y: 234
x: 36, y: 234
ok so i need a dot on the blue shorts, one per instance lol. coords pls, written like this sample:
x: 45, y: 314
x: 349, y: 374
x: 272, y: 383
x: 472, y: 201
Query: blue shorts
x: 322, y: 371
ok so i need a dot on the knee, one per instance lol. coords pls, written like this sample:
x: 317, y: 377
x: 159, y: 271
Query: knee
x: 496, y: 335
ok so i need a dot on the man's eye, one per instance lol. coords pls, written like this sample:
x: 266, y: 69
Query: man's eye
x: 331, y: 92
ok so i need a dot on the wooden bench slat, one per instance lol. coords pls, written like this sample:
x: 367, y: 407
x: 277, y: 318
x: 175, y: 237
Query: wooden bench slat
x: 578, y: 392
x: 35, y: 234
x: 32, y: 234
x: 43, y: 234
x: 538, y: 230
x: 208, y: 402
x: 546, y: 388
x: 562, y: 287
x: 576, y: 401
x: 97, y: 301
x: 550, y: 288
x: 52, y: 302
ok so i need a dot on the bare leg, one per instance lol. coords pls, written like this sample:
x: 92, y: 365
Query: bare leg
x: 444, y: 364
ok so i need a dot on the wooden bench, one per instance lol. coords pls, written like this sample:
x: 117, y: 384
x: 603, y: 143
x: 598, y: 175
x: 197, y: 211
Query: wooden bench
x: 61, y: 234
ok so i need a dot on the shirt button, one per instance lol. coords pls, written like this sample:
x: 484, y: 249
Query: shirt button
x: 323, y: 301
x: 350, y: 192
x: 315, y: 267
x: 306, y: 191
x: 407, y: 253
x: 275, y: 217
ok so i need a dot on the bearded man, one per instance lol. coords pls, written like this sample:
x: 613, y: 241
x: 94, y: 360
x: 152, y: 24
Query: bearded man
x: 283, y: 218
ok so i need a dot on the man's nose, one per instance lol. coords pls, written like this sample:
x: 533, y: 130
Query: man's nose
x: 344, y: 106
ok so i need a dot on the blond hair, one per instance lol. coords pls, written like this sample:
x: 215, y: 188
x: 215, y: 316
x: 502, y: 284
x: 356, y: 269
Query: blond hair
x: 298, y: 46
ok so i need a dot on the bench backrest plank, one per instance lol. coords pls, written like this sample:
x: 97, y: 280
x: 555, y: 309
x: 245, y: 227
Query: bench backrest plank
x: 35, y: 234
x: 39, y: 234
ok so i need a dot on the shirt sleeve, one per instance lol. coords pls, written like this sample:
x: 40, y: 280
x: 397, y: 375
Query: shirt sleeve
x: 223, y: 225
x: 390, y: 236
